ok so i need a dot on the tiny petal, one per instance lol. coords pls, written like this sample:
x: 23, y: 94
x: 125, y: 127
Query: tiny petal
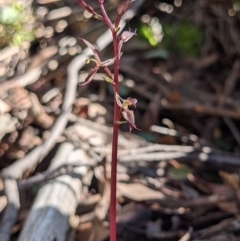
x: 90, y: 76
x: 120, y: 44
x: 126, y: 104
x: 93, y: 48
x: 126, y: 35
x: 128, y: 115
x: 132, y: 101
x: 108, y: 62
x: 119, y: 100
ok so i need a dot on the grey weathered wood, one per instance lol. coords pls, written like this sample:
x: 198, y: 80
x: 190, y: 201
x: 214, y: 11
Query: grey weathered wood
x: 55, y: 201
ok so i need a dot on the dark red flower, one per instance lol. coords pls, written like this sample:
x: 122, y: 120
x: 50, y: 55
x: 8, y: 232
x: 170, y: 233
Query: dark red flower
x: 99, y: 64
x: 127, y: 114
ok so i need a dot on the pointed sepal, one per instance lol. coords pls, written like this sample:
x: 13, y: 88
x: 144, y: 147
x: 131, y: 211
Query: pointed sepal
x: 126, y: 35
x: 90, y: 76
x: 87, y: 7
x: 93, y: 48
x: 128, y: 115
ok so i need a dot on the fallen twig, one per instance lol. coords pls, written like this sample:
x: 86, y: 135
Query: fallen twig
x: 213, y: 158
x: 201, y: 109
x: 65, y: 169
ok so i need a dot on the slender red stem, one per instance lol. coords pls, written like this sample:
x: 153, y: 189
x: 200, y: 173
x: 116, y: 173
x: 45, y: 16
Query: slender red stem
x: 113, y: 200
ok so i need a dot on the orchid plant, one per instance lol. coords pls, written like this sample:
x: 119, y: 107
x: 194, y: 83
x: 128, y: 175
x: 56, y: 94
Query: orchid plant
x: 121, y: 106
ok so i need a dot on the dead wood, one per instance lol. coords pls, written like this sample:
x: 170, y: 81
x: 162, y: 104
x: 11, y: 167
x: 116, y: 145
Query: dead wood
x: 55, y: 202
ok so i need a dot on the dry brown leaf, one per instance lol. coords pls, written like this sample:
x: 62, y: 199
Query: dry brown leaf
x: 220, y: 189
x: 232, y: 179
x: 228, y: 206
x: 99, y: 231
x: 174, y: 97
x: 18, y: 98
x: 83, y: 231
x: 132, y: 213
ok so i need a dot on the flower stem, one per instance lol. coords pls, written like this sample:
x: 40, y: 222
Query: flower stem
x: 113, y: 201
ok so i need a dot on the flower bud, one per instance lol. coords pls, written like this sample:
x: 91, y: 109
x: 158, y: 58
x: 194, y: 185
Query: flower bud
x: 123, y: 7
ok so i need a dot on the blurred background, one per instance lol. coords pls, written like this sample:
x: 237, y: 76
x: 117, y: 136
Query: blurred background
x: 178, y: 178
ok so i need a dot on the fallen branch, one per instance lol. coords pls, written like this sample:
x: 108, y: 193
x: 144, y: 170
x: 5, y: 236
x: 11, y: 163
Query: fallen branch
x: 212, y: 158
x: 41, y: 178
x: 55, y: 202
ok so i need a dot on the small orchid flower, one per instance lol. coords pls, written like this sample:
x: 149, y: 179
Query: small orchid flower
x: 127, y: 114
x: 99, y: 65
x: 124, y: 37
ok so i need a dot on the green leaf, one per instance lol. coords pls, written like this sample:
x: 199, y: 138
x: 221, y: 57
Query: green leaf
x: 185, y: 39
x: 145, y: 32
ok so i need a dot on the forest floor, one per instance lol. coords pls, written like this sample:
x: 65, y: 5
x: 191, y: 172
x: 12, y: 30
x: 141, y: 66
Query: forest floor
x: 178, y: 178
